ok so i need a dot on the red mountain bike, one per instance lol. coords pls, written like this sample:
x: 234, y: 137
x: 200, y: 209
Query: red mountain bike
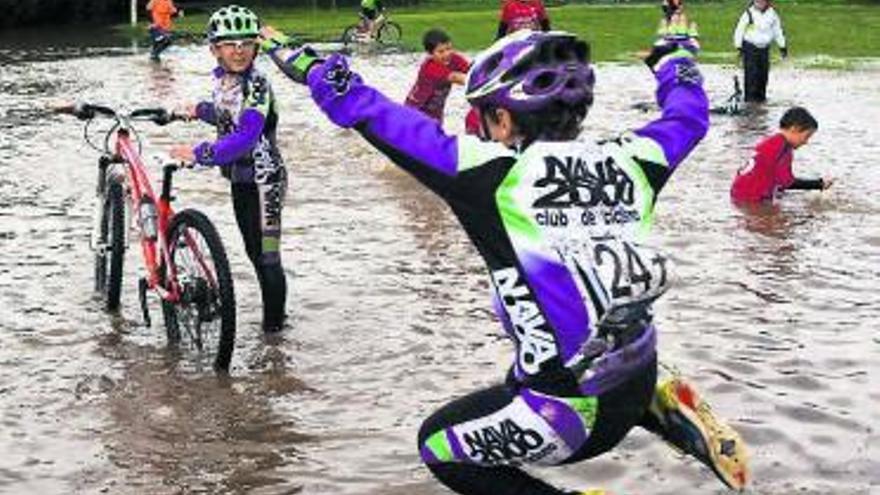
x: 184, y: 258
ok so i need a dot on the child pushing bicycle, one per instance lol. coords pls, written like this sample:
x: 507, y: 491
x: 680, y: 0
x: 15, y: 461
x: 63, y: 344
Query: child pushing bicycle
x: 243, y: 110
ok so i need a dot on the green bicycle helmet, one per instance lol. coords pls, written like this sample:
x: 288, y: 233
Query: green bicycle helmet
x: 233, y: 23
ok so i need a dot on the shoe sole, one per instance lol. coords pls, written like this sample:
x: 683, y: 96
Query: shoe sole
x: 726, y: 450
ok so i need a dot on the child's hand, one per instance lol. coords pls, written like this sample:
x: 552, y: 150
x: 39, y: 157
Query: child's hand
x: 827, y: 181
x: 268, y: 32
x: 188, y: 111
x: 182, y: 152
x: 272, y: 39
x: 61, y: 107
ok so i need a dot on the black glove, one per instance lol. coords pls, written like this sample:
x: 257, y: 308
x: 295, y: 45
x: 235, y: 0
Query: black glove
x: 784, y: 52
x: 683, y: 48
x: 296, y: 65
x: 301, y: 62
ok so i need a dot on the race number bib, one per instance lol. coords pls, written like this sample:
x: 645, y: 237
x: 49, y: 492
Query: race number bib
x: 617, y: 273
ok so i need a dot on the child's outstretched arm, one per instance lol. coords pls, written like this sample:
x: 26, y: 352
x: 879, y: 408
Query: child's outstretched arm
x: 412, y: 140
x: 663, y: 144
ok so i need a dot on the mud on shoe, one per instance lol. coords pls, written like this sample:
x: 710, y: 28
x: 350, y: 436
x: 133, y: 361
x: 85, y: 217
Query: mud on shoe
x: 690, y: 426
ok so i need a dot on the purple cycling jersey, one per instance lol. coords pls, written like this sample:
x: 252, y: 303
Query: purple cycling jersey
x: 557, y: 223
x: 243, y: 110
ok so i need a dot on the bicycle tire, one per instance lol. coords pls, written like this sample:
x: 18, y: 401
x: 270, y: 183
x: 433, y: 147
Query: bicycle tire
x: 108, y: 276
x: 349, y: 36
x: 210, y: 303
x: 390, y: 33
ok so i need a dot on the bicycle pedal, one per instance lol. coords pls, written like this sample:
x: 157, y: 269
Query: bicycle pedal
x: 143, y: 287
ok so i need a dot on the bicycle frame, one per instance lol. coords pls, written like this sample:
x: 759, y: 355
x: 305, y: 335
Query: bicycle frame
x: 156, y: 252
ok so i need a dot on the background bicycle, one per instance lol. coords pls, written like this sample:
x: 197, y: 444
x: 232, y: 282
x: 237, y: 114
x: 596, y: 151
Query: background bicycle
x: 184, y: 259
x: 383, y: 31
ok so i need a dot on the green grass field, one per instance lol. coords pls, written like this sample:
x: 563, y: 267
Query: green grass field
x: 819, y: 34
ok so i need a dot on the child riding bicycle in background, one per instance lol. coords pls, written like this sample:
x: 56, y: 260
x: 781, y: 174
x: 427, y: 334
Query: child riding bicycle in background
x: 243, y: 110
x: 371, y: 11
x: 555, y: 218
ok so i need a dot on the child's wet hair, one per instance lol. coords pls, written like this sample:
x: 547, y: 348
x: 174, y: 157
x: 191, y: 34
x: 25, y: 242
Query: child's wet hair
x: 434, y: 38
x: 558, y: 121
x: 800, y: 118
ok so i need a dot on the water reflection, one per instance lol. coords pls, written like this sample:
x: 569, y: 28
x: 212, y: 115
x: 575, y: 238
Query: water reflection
x: 195, y: 430
x: 162, y: 82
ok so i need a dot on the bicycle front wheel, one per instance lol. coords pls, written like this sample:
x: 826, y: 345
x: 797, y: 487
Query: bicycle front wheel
x: 390, y: 33
x: 203, y: 321
x: 110, y: 249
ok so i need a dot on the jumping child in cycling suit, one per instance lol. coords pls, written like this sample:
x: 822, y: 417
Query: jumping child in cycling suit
x: 522, y: 14
x: 243, y: 110
x: 555, y: 218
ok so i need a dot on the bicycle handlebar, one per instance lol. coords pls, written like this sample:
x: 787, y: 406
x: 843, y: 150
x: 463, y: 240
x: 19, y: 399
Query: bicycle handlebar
x: 84, y: 111
x: 159, y: 116
x: 87, y: 111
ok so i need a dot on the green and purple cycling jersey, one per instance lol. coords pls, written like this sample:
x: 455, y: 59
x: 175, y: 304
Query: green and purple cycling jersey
x: 243, y: 110
x: 557, y: 223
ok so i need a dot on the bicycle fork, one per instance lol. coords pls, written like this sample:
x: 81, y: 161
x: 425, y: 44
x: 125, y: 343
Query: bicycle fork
x: 95, y: 242
x: 104, y: 178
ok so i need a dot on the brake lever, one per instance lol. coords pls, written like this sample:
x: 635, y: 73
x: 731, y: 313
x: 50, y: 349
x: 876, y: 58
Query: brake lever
x: 194, y: 166
x: 82, y: 111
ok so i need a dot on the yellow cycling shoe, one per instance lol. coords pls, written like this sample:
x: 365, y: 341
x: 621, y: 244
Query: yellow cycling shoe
x: 690, y: 426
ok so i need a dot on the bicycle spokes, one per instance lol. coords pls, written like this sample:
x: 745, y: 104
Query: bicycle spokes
x: 198, y: 309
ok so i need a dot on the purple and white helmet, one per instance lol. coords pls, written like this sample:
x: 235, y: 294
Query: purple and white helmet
x: 528, y: 70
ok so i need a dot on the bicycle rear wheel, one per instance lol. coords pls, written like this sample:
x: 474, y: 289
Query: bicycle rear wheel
x: 110, y: 249
x: 203, y: 320
x: 390, y: 33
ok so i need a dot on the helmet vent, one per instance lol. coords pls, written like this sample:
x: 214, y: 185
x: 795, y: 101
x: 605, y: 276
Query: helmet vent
x: 493, y: 63
x: 544, y: 80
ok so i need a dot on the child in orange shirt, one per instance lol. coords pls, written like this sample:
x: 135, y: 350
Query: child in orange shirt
x: 161, y: 13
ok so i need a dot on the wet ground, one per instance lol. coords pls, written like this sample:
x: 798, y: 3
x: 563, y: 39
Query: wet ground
x: 774, y: 316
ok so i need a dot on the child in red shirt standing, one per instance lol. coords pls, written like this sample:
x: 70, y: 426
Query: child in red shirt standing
x: 769, y: 170
x: 522, y: 14
x: 441, y: 69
